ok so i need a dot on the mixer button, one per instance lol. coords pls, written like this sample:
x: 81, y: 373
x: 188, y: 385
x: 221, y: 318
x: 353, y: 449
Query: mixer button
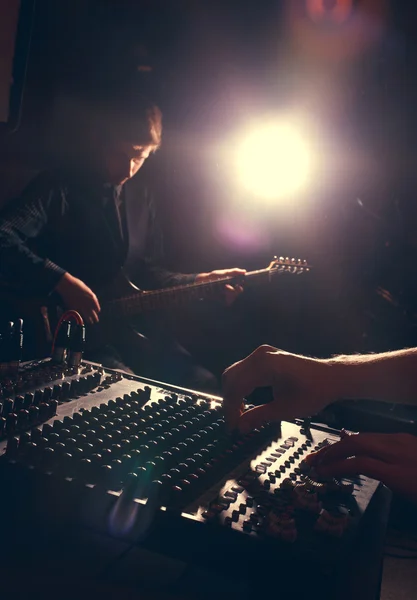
x: 247, y: 526
x: 238, y: 489
x: 249, y: 501
x: 208, y: 514
x: 260, y: 469
x: 231, y: 495
x: 235, y: 516
x: 267, y: 484
x: 218, y: 507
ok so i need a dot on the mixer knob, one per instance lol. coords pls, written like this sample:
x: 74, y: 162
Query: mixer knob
x: 53, y: 438
x: 47, y: 429
x: 48, y: 457
x: 2, y: 426
x: 53, y: 406
x: 91, y: 382
x: 12, y: 447
x: 85, y: 469
x: 24, y: 439
x: 18, y: 403
x: 7, y: 406
x: 11, y: 422
x: 23, y: 419
x: 175, y: 474
x: 43, y: 410
x: 31, y: 450
x: 57, y: 391
x: 36, y: 434
x: 74, y: 388
x: 37, y: 399
x: 66, y: 390
x: 33, y: 413
x: 29, y: 396
x: 47, y: 394
x: 58, y: 425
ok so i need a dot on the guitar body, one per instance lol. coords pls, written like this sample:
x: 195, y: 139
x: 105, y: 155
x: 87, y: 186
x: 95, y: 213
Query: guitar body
x: 112, y: 327
x: 119, y: 288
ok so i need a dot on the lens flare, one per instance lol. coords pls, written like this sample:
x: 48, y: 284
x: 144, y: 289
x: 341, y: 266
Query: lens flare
x: 274, y: 162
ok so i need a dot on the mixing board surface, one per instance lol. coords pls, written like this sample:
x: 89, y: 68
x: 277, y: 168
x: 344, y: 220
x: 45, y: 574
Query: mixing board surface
x: 142, y: 461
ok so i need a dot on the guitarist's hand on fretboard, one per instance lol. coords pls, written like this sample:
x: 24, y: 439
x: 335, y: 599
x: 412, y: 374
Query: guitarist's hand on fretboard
x: 231, y: 291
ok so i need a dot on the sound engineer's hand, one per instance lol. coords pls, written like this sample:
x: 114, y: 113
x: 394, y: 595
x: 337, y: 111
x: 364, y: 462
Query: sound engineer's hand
x: 387, y: 457
x: 231, y: 291
x: 76, y: 295
x: 301, y: 386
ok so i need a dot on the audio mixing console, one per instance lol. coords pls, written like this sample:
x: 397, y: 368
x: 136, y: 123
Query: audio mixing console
x: 150, y: 463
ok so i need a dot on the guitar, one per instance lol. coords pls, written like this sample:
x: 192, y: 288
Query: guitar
x: 123, y: 299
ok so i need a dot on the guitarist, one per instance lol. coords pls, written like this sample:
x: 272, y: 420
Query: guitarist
x: 69, y: 234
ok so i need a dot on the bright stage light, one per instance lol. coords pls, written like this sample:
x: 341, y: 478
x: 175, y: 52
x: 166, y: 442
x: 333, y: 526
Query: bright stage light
x: 274, y: 162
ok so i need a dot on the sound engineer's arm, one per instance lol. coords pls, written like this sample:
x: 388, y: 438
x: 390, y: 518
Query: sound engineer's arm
x: 303, y: 386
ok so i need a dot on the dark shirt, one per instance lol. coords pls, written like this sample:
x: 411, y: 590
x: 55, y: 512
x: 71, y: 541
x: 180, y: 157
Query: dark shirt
x: 65, y: 223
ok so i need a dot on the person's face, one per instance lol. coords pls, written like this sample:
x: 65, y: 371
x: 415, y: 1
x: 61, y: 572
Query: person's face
x: 123, y: 160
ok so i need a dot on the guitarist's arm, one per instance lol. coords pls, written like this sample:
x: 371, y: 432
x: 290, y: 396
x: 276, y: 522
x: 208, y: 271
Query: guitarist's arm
x: 24, y: 271
x: 150, y: 276
x: 22, y: 220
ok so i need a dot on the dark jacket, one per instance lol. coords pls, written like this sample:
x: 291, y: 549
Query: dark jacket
x: 65, y: 223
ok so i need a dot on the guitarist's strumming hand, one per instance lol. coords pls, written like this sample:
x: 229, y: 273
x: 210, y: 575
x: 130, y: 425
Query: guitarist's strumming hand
x: 231, y: 292
x: 76, y: 295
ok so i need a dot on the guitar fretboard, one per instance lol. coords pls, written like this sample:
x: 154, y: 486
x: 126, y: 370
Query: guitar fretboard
x: 178, y: 295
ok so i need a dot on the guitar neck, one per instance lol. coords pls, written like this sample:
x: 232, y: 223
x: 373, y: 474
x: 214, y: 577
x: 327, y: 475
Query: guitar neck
x: 140, y: 302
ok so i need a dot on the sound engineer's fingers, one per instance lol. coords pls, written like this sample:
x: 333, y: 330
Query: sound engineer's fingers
x: 242, y: 378
x: 357, y: 465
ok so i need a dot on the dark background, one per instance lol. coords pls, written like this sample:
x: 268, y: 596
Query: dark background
x: 214, y: 65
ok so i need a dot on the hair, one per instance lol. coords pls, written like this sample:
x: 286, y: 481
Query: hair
x: 129, y: 117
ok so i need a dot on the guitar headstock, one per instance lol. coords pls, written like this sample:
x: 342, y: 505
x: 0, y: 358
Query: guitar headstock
x: 290, y: 265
